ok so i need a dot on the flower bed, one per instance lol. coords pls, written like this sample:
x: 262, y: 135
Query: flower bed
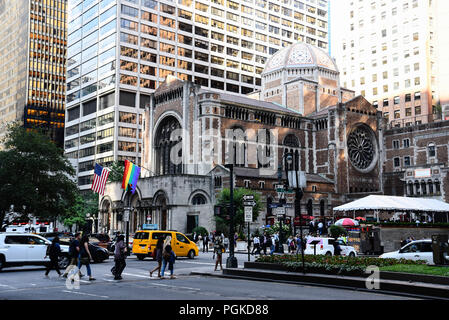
x: 352, y: 266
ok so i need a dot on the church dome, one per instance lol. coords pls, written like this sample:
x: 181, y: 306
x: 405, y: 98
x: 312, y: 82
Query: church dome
x: 300, y: 55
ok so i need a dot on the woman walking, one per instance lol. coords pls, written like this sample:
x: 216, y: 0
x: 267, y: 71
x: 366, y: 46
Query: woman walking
x: 85, y: 256
x: 168, y: 257
x: 53, y: 251
x: 159, y: 247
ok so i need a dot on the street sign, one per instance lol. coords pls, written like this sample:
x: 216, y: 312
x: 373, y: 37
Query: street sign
x: 126, y: 214
x: 249, y: 203
x: 279, y: 211
x: 248, y: 214
x: 148, y: 226
x: 248, y: 197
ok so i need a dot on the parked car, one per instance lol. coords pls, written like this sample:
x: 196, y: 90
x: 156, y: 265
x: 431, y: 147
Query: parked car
x: 325, y: 246
x: 415, y: 250
x: 102, y: 239
x: 18, y: 249
x: 51, y: 235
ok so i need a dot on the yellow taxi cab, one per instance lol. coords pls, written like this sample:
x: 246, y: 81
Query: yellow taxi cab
x: 145, y: 243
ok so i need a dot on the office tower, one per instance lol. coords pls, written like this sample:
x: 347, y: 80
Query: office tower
x: 32, y: 64
x: 121, y: 51
x: 392, y: 52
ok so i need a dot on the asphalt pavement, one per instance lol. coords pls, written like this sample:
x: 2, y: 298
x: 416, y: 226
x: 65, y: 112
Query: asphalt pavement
x: 29, y: 283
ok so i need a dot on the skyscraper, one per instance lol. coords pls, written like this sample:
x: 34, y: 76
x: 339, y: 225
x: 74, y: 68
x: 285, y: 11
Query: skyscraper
x: 121, y: 51
x: 32, y: 63
x: 393, y: 53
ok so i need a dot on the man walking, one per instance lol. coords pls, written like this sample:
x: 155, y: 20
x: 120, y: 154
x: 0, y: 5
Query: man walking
x: 205, y: 243
x: 256, y: 246
x: 74, y: 251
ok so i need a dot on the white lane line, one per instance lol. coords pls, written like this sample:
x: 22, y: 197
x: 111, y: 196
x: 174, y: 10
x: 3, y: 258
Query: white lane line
x: 86, y: 294
x: 7, y: 286
x: 136, y: 275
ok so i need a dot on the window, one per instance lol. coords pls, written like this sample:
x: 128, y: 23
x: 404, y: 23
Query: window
x: 406, y: 143
x: 431, y: 150
x: 199, y: 199
x: 407, y: 162
x: 395, y: 144
x: 397, y: 162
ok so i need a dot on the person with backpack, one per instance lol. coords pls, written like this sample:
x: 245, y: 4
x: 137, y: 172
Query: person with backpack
x: 74, y: 251
x: 218, y: 251
x: 119, y: 257
x: 168, y: 257
x: 53, y: 251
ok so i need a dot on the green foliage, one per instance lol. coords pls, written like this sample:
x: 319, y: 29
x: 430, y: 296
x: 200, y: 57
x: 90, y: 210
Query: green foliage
x: 76, y: 215
x: 239, y: 217
x: 338, y: 260
x: 337, y: 231
x: 276, y: 227
x: 35, y: 176
x: 200, y: 231
x: 117, y: 170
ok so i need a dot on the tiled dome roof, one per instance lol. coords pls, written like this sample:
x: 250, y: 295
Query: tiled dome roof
x: 300, y: 55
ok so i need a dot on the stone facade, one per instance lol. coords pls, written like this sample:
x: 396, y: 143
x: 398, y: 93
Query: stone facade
x: 416, y: 161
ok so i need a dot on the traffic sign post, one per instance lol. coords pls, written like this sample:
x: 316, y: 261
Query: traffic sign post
x: 249, y: 219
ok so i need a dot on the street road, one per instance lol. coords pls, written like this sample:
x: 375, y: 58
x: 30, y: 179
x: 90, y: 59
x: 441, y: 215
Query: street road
x: 29, y: 283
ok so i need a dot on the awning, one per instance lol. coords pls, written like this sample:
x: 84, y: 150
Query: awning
x: 393, y: 203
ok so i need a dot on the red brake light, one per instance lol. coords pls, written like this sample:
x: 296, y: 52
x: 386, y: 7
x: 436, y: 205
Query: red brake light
x: 322, y: 247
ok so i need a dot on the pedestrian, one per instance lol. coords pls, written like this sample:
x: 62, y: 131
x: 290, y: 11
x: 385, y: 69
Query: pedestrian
x: 256, y: 246
x: 74, y: 251
x: 299, y: 244
x: 159, y: 247
x: 236, y: 236
x: 269, y: 244
x: 276, y: 242
x: 168, y: 257
x: 403, y: 242
x: 320, y: 228
x: 195, y: 237
x: 225, y: 242
x: 292, y: 245
x: 205, y: 243
x: 311, y: 226
x: 218, y: 252
x: 264, y: 241
x: 119, y: 257
x: 85, y: 256
x: 53, y: 251
x: 337, y: 248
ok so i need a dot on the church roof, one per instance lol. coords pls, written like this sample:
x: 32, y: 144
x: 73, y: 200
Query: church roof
x: 300, y: 55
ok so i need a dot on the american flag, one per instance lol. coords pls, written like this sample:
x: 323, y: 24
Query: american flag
x: 100, y: 177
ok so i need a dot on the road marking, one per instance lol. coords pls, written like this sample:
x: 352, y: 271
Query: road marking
x: 8, y: 286
x: 87, y: 294
x: 136, y: 275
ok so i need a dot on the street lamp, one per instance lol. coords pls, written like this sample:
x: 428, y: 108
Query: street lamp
x: 231, y: 262
x: 293, y: 181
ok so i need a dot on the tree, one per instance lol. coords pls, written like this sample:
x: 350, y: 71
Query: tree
x: 223, y: 222
x: 77, y: 214
x: 35, y: 177
x: 117, y: 170
x: 337, y: 231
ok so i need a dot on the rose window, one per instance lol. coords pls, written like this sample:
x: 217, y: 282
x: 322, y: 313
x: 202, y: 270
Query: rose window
x: 361, y: 148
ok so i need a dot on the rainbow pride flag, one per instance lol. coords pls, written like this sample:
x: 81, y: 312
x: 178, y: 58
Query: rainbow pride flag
x: 130, y: 176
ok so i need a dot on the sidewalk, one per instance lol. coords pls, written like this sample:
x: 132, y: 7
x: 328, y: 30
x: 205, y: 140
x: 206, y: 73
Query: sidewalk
x: 408, y: 288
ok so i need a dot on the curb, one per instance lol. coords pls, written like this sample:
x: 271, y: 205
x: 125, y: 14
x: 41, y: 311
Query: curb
x: 386, y: 286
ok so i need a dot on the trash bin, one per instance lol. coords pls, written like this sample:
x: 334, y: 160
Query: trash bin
x: 440, y: 248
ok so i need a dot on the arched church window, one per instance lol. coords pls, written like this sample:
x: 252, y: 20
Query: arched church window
x: 199, y: 199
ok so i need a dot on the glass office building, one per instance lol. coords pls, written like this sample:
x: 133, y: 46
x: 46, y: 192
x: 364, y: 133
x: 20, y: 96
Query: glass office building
x: 119, y: 52
x: 32, y: 63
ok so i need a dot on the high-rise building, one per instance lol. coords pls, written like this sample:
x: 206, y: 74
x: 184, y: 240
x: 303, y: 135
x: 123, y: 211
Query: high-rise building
x: 119, y: 52
x: 395, y: 54
x: 32, y: 63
